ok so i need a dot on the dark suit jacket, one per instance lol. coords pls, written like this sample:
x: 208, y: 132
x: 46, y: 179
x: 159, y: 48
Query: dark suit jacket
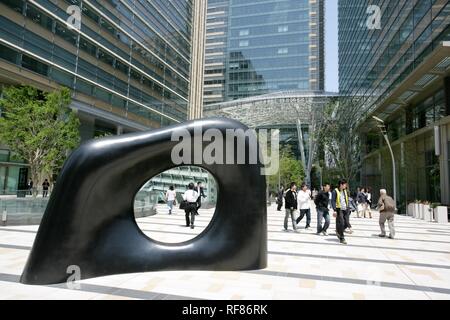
x: 291, y: 200
x: 200, y: 194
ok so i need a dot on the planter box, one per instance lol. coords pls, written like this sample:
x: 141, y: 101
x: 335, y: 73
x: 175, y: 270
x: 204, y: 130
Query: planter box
x: 416, y: 211
x: 441, y: 214
x: 411, y: 210
x: 427, y: 213
x: 420, y: 216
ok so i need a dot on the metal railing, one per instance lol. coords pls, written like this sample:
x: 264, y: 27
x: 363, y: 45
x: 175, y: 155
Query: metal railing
x: 22, y: 208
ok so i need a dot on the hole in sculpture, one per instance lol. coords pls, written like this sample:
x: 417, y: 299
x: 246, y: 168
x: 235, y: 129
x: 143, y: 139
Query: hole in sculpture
x: 159, y: 216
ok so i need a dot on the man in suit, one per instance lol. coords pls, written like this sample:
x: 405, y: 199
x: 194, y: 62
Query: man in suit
x: 201, y: 193
x: 291, y: 206
x: 280, y: 196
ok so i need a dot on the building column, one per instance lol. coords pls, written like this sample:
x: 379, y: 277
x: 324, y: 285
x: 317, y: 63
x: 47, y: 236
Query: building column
x: 445, y: 156
x: 447, y: 95
x: 444, y: 165
x: 195, y: 107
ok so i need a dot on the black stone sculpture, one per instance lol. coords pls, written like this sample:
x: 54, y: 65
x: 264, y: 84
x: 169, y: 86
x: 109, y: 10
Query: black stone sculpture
x: 89, y: 221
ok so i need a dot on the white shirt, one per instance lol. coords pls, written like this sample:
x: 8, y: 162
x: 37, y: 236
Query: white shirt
x: 330, y: 197
x: 343, y: 201
x: 304, y: 200
x: 190, y: 196
x: 170, y: 195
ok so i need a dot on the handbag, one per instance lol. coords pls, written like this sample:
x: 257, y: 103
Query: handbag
x: 183, y: 205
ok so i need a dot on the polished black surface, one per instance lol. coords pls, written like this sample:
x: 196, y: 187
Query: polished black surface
x: 89, y: 221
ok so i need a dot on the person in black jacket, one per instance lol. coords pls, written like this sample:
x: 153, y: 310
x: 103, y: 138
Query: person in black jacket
x: 340, y: 204
x: 280, y: 198
x: 323, y: 205
x: 45, y: 187
x: 361, y: 198
x: 291, y: 206
x: 201, y: 194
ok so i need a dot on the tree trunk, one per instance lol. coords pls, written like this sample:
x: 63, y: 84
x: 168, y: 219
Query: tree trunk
x: 36, y: 179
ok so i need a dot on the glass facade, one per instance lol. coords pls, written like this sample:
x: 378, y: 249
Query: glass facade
x: 257, y: 47
x: 10, y: 168
x: 133, y: 55
x: 372, y: 61
x: 394, y: 65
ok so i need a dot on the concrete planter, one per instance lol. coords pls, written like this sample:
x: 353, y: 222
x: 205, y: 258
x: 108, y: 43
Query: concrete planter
x: 420, y: 215
x: 441, y: 214
x: 416, y: 211
x: 411, y: 210
x: 427, y: 213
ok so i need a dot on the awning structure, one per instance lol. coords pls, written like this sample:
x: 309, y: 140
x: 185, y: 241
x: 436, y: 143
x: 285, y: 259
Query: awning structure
x: 281, y: 108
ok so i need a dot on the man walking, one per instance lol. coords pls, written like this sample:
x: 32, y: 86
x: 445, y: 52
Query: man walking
x: 387, y: 208
x: 322, y: 202
x: 190, y: 196
x: 291, y: 206
x: 280, y: 195
x: 45, y: 187
x: 201, y: 194
x: 304, y: 203
x: 340, y: 203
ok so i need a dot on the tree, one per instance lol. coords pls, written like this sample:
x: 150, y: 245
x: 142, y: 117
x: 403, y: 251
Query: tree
x: 340, y: 138
x: 39, y: 128
x: 291, y: 170
x: 311, y: 113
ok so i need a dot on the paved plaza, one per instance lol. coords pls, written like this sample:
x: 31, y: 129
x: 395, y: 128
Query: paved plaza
x: 301, y: 266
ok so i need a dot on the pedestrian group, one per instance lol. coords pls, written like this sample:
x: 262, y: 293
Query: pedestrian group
x: 337, y: 202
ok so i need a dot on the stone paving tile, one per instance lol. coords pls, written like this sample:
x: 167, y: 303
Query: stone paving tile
x: 301, y: 266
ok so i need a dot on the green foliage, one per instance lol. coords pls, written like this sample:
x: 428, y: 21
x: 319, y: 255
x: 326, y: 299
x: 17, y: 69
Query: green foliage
x: 291, y: 170
x: 434, y: 205
x: 340, y: 139
x: 39, y: 128
x: 103, y: 135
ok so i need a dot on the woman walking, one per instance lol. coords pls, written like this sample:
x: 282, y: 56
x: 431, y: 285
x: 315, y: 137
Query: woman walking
x: 171, y: 198
x: 361, y: 198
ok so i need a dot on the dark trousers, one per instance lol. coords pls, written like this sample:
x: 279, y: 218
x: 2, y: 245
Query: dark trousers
x: 280, y: 205
x: 340, y: 223
x: 347, y: 219
x: 199, y: 202
x: 45, y: 193
x: 191, y: 210
x: 303, y: 213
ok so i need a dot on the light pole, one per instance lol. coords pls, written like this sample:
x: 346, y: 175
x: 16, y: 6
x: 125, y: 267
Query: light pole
x: 382, y: 127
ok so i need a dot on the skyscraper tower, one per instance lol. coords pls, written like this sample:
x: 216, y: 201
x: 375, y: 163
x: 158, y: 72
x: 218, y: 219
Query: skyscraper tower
x: 256, y: 47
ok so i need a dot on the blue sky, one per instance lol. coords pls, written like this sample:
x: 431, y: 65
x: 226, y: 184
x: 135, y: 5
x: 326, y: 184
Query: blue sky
x: 331, y: 46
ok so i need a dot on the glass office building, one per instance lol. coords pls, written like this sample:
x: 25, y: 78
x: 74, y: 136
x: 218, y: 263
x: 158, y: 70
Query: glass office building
x: 258, y: 47
x: 394, y: 59
x: 128, y: 64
